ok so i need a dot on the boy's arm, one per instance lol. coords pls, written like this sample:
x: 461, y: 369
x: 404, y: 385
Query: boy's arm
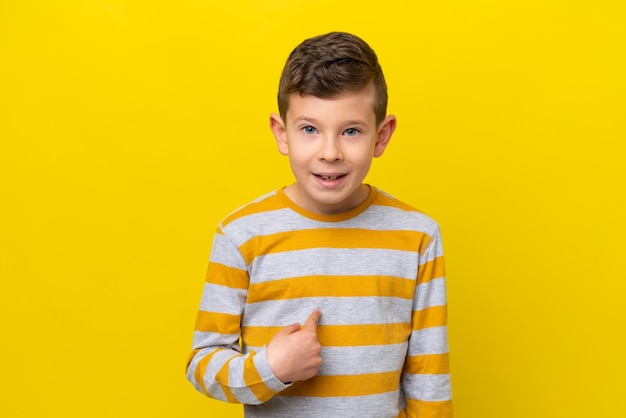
x: 426, y: 377
x: 216, y: 366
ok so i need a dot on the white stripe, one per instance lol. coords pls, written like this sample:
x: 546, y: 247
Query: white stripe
x: 362, y: 360
x: 217, y: 362
x: 431, y: 293
x: 205, y: 339
x: 335, y: 311
x: 433, y: 340
x: 384, y: 405
x: 222, y: 299
x: 226, y: 253
x: 191, y: 370
x: 264, y: 370
x: 334, y: 262
x: 428, y: 387
x: 214, y: 390
x: 435, y: 249
x: 237, y: 383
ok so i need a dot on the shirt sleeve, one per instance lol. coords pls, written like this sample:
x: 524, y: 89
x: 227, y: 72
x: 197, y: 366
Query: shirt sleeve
x: 217, y: 367
x: 426, y: 375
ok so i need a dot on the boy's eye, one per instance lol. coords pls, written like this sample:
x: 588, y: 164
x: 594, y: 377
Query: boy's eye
x: 309, y: 130
x: 351, y: 132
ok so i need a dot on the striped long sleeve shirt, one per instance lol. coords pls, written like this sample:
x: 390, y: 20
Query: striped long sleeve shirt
x: 377, y: 275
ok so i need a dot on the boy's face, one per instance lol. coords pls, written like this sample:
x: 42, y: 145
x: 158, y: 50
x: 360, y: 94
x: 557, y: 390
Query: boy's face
x: 330, y: 143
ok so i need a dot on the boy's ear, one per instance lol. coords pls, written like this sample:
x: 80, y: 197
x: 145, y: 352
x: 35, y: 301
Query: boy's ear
x: 386, y: 129
x: 280, y: 133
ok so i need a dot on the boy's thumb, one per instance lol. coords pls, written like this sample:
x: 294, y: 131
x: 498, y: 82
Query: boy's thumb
x: 290, y: 329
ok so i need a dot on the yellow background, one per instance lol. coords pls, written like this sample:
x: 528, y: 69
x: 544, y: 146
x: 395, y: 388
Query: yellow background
x: 129, y: 129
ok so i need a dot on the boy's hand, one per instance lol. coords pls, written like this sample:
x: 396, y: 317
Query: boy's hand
x: 294, y: 352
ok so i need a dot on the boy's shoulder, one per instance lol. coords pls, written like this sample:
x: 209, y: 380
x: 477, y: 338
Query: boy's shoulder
x: 402, y: 215
x: 268, y: 202
x: 271, y: 212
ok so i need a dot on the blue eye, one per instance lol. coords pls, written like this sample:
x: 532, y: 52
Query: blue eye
x: 309, y: 130
x: 351, y: 132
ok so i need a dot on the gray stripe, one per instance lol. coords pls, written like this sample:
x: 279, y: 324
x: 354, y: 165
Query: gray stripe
x: 428, y: 387
x: 215, y: 365
x: 435, y: 249
x: 334, y: 262
x: 362, y: 360
x: 214, y: 389
x: 264, y: 370
x: 205, y: 339
x: 335, y: 311
x: 191, y: 370
x: 237, y: 383
x: 385, y: 405
x: 431, y: 293
x: 432, y: 340
x: 226, y: 253
x: 222, y: 299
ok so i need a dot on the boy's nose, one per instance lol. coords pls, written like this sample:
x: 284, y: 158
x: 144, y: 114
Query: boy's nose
x: 330, y: 149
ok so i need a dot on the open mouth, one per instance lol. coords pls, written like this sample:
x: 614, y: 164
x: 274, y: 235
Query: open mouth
x: 329, y: 178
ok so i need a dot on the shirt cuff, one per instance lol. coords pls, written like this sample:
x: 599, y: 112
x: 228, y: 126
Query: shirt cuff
x: 264, y: 370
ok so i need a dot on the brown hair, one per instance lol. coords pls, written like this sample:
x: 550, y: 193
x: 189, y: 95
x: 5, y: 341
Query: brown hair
x: 331, y: 64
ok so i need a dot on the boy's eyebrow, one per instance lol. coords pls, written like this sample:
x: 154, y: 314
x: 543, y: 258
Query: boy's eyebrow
x: 304, y: 118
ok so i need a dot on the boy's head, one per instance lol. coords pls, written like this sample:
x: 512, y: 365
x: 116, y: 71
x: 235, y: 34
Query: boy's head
x: 332, y: 122
x: 329, y: 65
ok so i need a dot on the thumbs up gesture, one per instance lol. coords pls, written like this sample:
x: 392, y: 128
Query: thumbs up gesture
x: 294, y: 353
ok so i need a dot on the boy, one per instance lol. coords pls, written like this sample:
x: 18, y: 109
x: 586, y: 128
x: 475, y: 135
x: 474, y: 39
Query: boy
x: 362, y: 271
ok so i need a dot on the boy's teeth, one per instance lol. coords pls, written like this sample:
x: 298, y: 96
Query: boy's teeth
x: 329, y: 177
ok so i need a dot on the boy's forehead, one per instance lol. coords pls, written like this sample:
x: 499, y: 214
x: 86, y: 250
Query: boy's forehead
x: 351, y: 104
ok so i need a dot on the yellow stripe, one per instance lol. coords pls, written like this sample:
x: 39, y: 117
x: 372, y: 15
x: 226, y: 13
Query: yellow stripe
x: 253, y: 380
x: 424, y: 409
x: 331, y: 286
x: 332, y: 238
x: 258, y: 336
x: 338, y: 335
x: 218, y: 322
x: 350, y: 385
x: 201, y: 370
x: 227, y: 276
x: 222, y: 379
x: 433, y: 269
x: 428, y: 364
x: 430, y: 317
x: 385, y: 200
x: 268, y: 204
x: 191, y: 356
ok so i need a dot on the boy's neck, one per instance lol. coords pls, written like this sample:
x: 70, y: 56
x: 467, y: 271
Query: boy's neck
x: 299, y: 198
